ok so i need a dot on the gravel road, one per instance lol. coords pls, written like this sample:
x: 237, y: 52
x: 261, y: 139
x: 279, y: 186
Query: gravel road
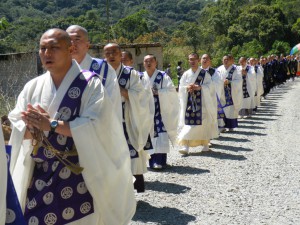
x: 250, y: 176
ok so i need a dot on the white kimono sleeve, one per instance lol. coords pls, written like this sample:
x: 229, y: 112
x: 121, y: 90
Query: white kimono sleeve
x: 251, y: 81
x: 237, y: 89
x: 259, y: 79
x: 183, y: 94
x: 113, y: 90
x: 209, y: 98
x: 169, y: 107
x: 138, y: 115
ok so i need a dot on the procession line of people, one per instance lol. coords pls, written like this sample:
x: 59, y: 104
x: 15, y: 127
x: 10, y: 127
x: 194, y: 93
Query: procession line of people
x: 85, y: 132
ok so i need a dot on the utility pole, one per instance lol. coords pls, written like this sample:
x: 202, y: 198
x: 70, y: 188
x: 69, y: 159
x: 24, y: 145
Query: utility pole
x: 107, y: 23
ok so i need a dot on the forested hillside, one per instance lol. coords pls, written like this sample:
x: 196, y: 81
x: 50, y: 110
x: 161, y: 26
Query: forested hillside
x: 242, y: 27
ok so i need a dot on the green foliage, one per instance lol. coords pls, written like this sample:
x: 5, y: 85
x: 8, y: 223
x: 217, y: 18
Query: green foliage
x: 3, y: 23
x: 205, y: 26
x: 132, y: 26
x: 296, y: 27
x: 280, y: 47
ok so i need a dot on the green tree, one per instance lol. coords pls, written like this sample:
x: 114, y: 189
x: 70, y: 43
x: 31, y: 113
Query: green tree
x: 191, y: 33
x: 296, y: 27
x: 3, y: 23
x: 132, y: 26
x: 270, y: 30
x: 280, y: 47
x: 252, y: 49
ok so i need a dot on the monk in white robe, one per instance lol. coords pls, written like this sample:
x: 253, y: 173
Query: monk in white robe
x: 80, y: 41
x: 106, y: 166
x: 166, y: 107
x: 259, y: 91
x: 230, y: 93
x: 198, y: 106
x: 137, y: 119
x: 249, y: 87
x: 206, y: 65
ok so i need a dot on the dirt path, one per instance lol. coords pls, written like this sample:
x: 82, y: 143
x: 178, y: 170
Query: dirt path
x: 251, y: 176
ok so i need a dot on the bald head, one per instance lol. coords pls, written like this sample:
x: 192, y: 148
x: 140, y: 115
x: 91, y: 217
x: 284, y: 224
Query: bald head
x: 56, y: 52
x: 113, y: 54
x: 75, y: 29
x: 80, y: 41
x: 59, y: 35
x: 110, y: 45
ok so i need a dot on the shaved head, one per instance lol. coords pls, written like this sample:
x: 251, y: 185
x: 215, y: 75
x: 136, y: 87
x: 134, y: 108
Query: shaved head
x: 59, y: 34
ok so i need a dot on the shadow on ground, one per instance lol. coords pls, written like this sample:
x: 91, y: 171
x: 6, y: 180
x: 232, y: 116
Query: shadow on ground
x: 258, y: 119
x: 166, y: 187
x: 233, y: 139
x: 230, y: 148
x: 248, y: 133
x: 147, y: 213
x: 266, y: 113
x: 249, y: 122
x: 184, y: 170
x: 251, y: 127
x: 218, y: 155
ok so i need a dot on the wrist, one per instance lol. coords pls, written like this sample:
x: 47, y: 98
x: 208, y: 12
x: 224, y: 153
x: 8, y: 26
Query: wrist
x: 53, y: 125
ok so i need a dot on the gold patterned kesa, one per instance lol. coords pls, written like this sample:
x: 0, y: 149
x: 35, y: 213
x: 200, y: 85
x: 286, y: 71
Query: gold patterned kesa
x: 198, y: 100
x: 198, y: 122
x: 192, y: 114
x: 198, y: 93
x: 198, y: 114
x: 39, y: 139
x: 187, y: 114
x: 192, y: 121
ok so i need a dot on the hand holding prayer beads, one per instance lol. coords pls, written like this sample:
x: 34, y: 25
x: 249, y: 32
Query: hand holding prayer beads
x: 193, y: 87
x: 36, y: 117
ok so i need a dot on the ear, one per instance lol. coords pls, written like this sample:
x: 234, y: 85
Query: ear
x: 87, y: 44
x: 71, y: 49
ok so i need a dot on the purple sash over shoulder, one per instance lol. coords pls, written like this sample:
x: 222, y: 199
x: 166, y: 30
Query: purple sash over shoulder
x: 123, y: 78
x: 245, y: 91
x: 159, y: 126
x: 96, y: 67
x: 193, y: 112
x: 227, y: 88
x: 57, y: 195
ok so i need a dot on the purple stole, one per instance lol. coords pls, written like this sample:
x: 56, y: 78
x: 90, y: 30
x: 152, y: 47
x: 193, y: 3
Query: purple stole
x: 245, y: 91
x: 256, y: 68
x: 123, y: 78
x: 14, y: 215
x: 159, y: 126
x: 57, y: 195
x: 193, y: 112
x: 227, y: 89
x: 96, y: 67
x: 221, y: 113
